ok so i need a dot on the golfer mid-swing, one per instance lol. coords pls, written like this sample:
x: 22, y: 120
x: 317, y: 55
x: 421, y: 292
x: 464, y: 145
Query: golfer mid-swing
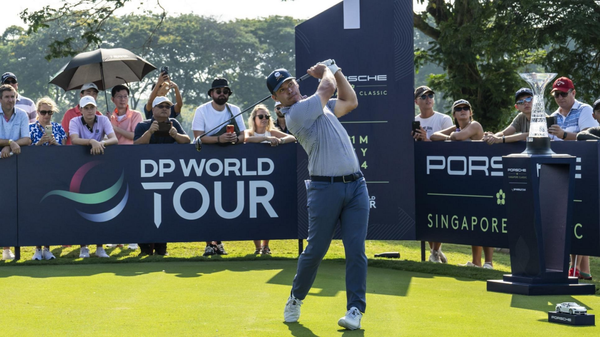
x: 337, y: 190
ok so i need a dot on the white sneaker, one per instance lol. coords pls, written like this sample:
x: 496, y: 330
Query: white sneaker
x: 442, y: 256
x: 84, y: 252
x: 47, y: 254
x: 488, y: 265
x: 37, y: 256
x: 291, y: 313
x: 7, y: 254
x: 352, y: 319
x: 469, y: 264
x: 100, y: 252
x: 435, y: 256
x: 133, y: 246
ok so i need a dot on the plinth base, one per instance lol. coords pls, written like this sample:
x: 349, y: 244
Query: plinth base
x: 538, y: 146
x: 562, y: 318
x: 570, y: 287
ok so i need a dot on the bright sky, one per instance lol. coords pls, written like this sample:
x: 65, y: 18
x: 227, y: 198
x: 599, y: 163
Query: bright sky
x: 221, y: 10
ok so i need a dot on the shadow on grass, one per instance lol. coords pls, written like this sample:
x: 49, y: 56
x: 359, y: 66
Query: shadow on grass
x: 297, y: 329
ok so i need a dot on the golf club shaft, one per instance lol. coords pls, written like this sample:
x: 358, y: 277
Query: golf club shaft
x: 305, y: 76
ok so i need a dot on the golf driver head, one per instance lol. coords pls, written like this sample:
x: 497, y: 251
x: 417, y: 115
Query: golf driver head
x: 198, y: 143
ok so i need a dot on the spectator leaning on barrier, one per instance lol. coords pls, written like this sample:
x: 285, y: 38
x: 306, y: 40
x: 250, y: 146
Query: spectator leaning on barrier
x: 88, y: 89
x: 22, y: 102
x: 90, y: 130
x: 572, y: 116
x: 518, y: 130
x: 14, y: 133
x: 262, y: 130
x: 464, y: 128
x: 160, y: 129
x: 161, y: 88
x: 207, y: 117
x: 431, y: 121
x: 592, y: 133
x: 46, y: 107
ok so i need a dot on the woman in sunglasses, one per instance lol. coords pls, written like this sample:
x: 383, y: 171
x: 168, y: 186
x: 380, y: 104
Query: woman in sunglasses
x: 262, y: 130
x: 40, y: 130
x: 45, y: 132
x: 465, y: 127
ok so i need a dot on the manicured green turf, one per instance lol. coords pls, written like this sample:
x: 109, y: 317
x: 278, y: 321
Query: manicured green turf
x: 243, y: 295
x: 237, y: 298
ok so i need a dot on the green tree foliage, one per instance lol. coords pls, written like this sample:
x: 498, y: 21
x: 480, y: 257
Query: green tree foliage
x: 196, y: 49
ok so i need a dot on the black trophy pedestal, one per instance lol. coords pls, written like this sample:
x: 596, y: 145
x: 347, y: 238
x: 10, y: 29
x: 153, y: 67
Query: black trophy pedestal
x: 562, y: 318
x: 539, y: 203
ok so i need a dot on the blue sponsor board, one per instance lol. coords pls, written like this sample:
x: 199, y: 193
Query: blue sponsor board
x: 8, y: 200
x: 372, y: 41
x: 460, y: 196
x: 155, y: 193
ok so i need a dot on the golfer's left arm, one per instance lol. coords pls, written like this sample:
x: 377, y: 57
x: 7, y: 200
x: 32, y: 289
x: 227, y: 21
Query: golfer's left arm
x: 346, y: 100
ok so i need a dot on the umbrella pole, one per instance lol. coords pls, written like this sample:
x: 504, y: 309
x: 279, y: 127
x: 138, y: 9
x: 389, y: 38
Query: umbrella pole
x: 104, y: 86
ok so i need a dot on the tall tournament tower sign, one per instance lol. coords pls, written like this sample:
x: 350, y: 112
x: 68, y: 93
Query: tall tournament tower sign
x: 539, y: 202
x: 372, y: 41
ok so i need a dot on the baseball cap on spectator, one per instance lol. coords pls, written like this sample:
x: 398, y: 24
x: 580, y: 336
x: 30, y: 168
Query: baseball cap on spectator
x: 277, y: 103
x: 461, y: 102
x: 522, y: 92
x: 219, y: 82
x: 85, y: 100
x: 160, y: 99
x: 8, y: 75
x: 277, y: 78
x: 423, y: 90
x: 596, y: 105
x: 89, y: 86
x: 562, y: 84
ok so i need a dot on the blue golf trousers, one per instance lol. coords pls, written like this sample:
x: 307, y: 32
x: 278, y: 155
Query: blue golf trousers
x: 329, y: 202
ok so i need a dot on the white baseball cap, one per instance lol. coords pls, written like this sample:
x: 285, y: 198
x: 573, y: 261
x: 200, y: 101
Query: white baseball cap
x: 85, y: 100
x: 160, y: 99
x: 89, y: 86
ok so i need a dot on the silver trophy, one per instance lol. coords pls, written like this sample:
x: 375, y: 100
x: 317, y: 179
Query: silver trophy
x: 538, y: 142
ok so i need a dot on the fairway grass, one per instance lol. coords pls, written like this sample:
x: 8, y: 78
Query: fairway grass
x: 244, y: 295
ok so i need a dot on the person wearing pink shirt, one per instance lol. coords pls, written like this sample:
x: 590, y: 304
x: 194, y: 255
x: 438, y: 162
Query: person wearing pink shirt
x: 123, y: 119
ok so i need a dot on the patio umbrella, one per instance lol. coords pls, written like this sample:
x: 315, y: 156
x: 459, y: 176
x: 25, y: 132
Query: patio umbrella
x: 103, y: 67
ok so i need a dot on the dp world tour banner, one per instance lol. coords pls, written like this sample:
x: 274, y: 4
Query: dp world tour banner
x: 149, y: 193
x: 372, y: 41
x: 460, y: 196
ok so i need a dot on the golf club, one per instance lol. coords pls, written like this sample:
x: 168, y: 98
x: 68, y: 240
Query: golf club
x: 198, y: 140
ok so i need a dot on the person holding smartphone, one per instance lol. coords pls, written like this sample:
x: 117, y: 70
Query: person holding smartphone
x: 160, y: 129
x: 44, y: 131
x: 429, y: 121
x: 163, y: 85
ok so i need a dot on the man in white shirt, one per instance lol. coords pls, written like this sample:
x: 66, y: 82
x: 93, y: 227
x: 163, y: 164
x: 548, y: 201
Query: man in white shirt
x: 207, y: 118
x: 431, y: 121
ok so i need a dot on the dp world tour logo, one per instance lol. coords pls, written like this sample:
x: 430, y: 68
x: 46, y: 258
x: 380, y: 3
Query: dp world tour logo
x: 93, y: 198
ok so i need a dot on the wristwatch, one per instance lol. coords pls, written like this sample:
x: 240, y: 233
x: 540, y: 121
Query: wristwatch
x: 10, y: 142
x: 564, y: 135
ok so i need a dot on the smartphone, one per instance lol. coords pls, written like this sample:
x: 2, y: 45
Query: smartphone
x: 550, y: 120
x: 230, y: 128
x: 48, y: 129
x: 416, y: 125
x: 164, y: 69
x: 164, y: 127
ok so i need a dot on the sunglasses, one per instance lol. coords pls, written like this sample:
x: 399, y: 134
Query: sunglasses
x: 278, y: 108
x: 263, y: 116
x: 425, y: 96
x: 562, y: 94
x: 163, y: 106
x: 224, y: 91
x: 46, y: 112
x: 465, y: 108
x: 10, y: 82
x: 525, y: 100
